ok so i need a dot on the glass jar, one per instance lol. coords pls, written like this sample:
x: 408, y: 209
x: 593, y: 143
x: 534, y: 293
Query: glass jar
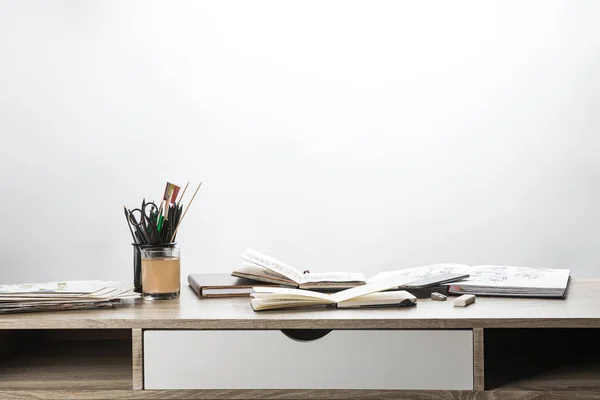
x: 161, y: 273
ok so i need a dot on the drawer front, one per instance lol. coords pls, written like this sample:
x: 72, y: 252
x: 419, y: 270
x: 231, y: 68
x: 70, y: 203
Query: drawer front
x: 344, y: 359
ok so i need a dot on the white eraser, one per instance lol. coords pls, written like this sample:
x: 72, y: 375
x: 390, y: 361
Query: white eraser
x: 438, y: 296
x: 464, y: 300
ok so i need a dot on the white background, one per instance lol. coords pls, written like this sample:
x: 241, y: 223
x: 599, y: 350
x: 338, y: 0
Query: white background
x: 332, y: 135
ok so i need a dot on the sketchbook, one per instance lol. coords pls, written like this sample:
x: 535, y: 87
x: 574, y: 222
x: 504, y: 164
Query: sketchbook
x: 492, y: 280
x: 263, y: 268
x: 364, y: 296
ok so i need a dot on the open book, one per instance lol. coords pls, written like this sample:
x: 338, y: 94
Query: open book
x: 369, y: 295
x: 263, y: 268
x: 491, y: 280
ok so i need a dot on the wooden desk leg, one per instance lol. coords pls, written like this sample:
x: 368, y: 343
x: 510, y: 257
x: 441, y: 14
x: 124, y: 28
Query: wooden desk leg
x: 478, y: 377
x: 137, y: 352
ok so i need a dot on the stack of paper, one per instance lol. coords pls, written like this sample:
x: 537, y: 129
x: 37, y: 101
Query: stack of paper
x: 68, y: 295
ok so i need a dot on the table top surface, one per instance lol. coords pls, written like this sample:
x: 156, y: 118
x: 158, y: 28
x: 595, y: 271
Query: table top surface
x: 581, y: 308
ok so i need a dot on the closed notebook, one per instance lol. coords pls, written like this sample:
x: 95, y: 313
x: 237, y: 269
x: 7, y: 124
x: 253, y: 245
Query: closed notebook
x: 223, y: 285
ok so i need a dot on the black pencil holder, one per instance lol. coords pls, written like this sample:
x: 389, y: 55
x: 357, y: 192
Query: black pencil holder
x: 137, y: 262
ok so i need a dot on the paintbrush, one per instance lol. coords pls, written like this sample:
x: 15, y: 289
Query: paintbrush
x: 185, y: 212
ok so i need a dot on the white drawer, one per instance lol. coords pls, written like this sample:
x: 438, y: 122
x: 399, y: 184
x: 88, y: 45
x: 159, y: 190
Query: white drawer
x: 343, y: 359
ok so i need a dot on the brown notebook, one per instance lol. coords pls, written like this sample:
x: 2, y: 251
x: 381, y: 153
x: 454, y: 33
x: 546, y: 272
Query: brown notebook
x: 223, y: 285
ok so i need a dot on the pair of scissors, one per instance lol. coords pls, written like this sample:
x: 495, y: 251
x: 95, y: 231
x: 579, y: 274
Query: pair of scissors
x: 145, y: 224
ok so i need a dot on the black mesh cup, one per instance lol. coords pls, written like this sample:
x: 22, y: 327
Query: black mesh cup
x: 137, y: 262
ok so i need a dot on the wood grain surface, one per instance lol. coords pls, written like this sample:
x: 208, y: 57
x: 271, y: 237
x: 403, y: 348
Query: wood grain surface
x: 85, y: 365
x: 579, y: 309
x: 478, y: 359
x: 296, y: 394
x: 137, y: 355
x: 569, y: 377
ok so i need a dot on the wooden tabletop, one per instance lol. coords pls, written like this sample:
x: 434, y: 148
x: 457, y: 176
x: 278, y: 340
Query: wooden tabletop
x: 581, y: 308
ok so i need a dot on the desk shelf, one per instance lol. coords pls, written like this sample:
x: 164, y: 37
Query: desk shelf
x: 542, y: 359
x: 67, y: 360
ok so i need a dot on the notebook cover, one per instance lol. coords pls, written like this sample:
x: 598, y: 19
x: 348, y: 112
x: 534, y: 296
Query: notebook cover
x: 425, y: 293
x: 198, y: 282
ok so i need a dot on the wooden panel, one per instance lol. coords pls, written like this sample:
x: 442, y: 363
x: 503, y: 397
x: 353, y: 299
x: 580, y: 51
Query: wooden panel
x: 579, y: 309
x: 478, y: 359
x: 355, y: 359
x: 568, y: 377
x: 295, y: 394
x: 83, y: 334
x: 137, y: 355
x: 69, y: 365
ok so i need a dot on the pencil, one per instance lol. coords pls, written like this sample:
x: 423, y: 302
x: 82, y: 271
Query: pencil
x: 184, y: 189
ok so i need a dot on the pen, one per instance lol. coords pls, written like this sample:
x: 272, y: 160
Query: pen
x: 129, y: 225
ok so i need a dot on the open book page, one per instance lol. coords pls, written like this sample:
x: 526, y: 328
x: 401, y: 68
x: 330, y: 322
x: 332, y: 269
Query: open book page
x: 250, y: 270
x: 262, y: 292
x: 273, y: 304
x: 273, y: 298
x: 418, y: 273
x: 331, y: 277
x: 390, y: 282
x: 518, y: 277
x: 287, y: 271
x: 397, y: 297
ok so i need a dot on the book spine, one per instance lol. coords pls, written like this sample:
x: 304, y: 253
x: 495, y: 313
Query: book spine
x: 195, y: 286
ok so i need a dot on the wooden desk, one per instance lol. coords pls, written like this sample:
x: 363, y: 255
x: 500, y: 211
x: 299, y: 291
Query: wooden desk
x: 521, y: 348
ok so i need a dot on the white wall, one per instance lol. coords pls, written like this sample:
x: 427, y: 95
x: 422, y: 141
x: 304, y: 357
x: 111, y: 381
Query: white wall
x: 333, y: 135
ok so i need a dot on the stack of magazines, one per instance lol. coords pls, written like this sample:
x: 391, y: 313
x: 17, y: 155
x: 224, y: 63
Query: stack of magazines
x: 58, y: 296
